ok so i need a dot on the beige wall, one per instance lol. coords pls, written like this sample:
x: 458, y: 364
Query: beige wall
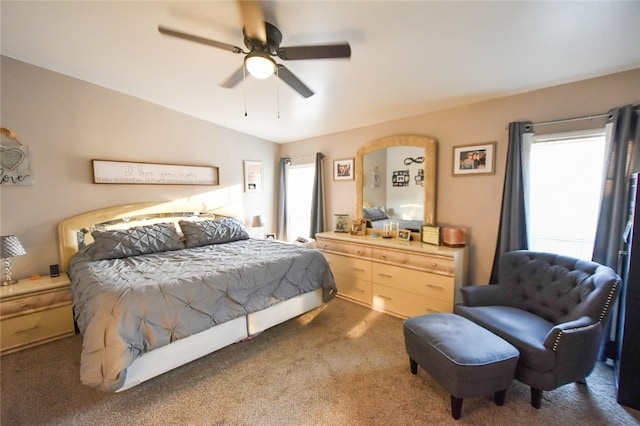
x: 472, y: 202
x: 67, y: 122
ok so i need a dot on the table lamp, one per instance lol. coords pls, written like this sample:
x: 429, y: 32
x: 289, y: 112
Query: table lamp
x: 10, y: 247
x: 258, y: 222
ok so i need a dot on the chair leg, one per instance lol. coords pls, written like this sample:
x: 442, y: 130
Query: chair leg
x: 536, y: 397
x: 498, y: 397
x: 456, y: 407
x: 413, y: 365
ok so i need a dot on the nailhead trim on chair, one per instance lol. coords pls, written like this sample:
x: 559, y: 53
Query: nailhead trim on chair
x: 555, y: 344
x: 606, y: 305
x: 571, y: 330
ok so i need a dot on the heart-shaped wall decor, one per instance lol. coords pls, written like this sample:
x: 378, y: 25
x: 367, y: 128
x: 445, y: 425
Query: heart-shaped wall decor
x: 10, y: 158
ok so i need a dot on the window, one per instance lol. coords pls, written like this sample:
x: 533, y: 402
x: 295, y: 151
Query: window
x: 299, y: 194
x: 564, y: 189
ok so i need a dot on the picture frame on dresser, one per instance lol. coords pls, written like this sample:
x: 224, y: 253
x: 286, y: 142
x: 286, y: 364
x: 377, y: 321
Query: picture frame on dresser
x: 359, y: 227
x: 342, y: 223
x: 404, y: 234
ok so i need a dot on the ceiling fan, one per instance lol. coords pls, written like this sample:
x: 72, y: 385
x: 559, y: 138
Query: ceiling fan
x: 262, y: 40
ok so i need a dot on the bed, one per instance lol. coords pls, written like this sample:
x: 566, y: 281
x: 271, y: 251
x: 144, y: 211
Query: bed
x: 158, y: 285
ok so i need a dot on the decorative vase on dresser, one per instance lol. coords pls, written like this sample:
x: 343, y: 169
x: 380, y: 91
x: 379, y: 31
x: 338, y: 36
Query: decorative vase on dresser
x: 401, y: 278
x: 33, y: 312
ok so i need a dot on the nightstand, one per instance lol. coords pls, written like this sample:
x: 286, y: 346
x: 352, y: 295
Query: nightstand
x: 33, y: 312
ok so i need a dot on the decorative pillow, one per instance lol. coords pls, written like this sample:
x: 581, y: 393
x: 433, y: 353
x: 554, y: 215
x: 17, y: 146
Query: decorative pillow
x: 374, y: 213
x: 217, y: 231
x: 119, y: 243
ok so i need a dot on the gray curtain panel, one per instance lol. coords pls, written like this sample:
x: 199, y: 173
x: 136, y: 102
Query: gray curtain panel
x: 317, y: 202
x: 512, y: 230
x: 622, y: 159
x: 283, y: 214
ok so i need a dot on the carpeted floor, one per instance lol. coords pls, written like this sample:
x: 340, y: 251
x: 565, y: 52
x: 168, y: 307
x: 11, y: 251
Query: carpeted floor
x: 341, y: 364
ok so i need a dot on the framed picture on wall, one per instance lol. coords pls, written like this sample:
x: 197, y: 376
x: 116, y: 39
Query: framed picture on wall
x: 474, y: 159
x: 252, y: 176
x: 343, y: 169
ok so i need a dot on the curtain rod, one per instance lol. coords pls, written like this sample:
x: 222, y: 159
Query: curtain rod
x: 567, y: 120
x: 310, y: 158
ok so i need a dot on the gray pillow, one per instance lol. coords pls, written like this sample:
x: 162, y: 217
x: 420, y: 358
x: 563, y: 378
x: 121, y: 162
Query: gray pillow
x: 217, y: 231
x: 119, y: 243
x: 374, y: 213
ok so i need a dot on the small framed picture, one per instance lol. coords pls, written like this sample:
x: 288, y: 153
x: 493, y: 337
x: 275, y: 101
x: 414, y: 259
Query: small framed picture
x: 270, y: 237
x: 252, y: 176
x: 474, y: 159
x: 431, y: 234
x: 342, y: 222
x: 343, y: 169
x: 404, y: 234
x: 359, y: 227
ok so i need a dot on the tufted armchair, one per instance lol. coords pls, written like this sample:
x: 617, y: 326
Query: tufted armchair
x: 552, y: 308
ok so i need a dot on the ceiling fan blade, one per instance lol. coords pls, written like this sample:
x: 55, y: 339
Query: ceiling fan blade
x: 234, y: 78
x: 329, y: 51
x: 293, y: 81
x: 253, y: 20
x: 190, y: 37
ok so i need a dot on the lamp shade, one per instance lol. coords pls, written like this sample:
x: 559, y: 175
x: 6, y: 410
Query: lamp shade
x: 10, y: 247
x: 258, y: 220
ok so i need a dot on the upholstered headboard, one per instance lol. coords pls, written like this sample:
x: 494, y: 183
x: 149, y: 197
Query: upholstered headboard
x: 76, y: 230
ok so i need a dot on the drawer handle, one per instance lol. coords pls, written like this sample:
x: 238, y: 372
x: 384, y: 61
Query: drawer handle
x: 24, y: 330
x: 435, y: 265
x: 435, y: 287
x: 358, y: 269
x: 385, y: 275
x: 384, y: 297
x: 359, y: 289
x: 384, y: 256
x: 25, y: 305
x: 430, y: 311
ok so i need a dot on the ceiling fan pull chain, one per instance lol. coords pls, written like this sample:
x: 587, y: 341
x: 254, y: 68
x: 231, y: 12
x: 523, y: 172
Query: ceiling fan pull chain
x: 244, y: 88
x: 278, y: 90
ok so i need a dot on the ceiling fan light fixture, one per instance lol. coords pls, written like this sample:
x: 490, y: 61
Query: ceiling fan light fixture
x: 259, y: 66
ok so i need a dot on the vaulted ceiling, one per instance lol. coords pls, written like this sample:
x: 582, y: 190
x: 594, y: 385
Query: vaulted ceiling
x: 407, y: 57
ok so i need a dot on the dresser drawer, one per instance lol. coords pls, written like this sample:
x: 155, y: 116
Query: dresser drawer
x: 423, y: 262
x: 344, y: 248
x: 406, y: 304
x: 435, y: 286
x: 350, y: 266
x: 353, y: 288
x: 36, y: 327
x: 34, y: 302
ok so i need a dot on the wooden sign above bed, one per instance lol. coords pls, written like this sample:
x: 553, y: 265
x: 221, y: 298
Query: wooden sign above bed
x: 125, y: 172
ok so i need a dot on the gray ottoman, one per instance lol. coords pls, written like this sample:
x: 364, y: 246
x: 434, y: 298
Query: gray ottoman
x: 466, y: 359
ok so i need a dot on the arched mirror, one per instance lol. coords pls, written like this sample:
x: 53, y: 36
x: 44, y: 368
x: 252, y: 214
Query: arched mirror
x: 396, y: 180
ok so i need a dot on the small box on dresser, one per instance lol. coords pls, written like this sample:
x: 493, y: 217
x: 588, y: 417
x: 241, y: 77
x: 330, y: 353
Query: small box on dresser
x: 34, y: 312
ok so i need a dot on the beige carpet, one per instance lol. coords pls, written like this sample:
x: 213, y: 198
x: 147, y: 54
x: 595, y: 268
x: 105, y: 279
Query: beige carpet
x: 341, y: 364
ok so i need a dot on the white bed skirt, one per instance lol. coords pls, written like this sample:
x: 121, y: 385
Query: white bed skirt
x: 185, y: 350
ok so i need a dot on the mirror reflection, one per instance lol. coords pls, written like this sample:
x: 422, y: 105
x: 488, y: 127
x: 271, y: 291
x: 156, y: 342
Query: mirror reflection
x: 395, y: 181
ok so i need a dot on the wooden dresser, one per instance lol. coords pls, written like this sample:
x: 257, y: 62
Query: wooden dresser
x: 33, y: 312
x: 401, y: 278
